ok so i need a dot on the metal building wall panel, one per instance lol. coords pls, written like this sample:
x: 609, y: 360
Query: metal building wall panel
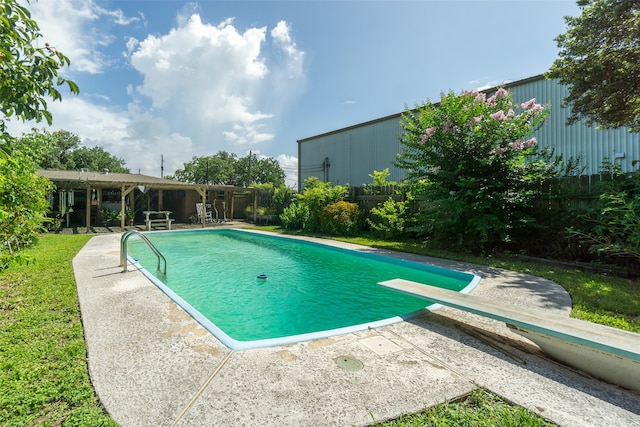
x: 588, y: 143
x: 353, y: 153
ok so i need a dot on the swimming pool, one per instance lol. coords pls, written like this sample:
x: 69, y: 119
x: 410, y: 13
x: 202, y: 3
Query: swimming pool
x: 255, y: 290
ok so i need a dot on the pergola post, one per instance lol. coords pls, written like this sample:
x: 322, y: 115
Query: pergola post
x: 202, y: 191
x: 123, y: 193
x: 88, y: 209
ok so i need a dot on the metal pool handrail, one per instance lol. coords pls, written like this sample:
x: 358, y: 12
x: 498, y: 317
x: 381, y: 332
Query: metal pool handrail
x: 123, y: 250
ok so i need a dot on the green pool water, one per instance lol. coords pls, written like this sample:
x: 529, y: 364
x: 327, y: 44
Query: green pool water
x: 311, y: 290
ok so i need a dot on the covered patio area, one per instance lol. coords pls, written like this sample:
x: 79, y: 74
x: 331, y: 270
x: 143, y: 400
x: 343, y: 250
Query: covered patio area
x: 88, y: 199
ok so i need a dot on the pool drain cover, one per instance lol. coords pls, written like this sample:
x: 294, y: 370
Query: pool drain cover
x: 349, y: 363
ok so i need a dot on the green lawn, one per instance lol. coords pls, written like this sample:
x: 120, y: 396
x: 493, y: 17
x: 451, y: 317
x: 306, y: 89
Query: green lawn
x: 44, y: 379
x: 481, y: 409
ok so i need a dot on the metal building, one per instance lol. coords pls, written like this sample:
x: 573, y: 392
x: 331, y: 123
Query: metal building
x: 351, y: 154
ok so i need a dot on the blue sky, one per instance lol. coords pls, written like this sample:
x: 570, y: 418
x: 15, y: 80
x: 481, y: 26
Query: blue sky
x: 183, y: 79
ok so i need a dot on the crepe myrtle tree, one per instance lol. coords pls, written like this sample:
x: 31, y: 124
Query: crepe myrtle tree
x: 472, y: 165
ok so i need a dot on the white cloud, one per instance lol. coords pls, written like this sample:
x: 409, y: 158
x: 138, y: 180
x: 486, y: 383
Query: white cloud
x: 290, y: 166
x: 201, y: 64
x: 246, y: 135
x: 214, y: 83
x: 69, y: 26
x: 491, y: 84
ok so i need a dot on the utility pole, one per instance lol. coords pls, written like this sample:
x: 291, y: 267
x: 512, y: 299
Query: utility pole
x: 161, y: 165
x: 249, y: 168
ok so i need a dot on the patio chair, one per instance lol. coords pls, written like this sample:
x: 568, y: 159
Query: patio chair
x: 206, y: 213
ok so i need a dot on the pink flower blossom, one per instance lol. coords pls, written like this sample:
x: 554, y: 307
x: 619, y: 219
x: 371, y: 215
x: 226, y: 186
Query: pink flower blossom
x: 500, y: 150
x: 517, y: 145
x: 531, y: 105
x: 447, y: 127
x: 530, y: 142
x: 498, y: 115
x: 425, y: 136
x: 528, y: 104
x: 480, y: 96
x: 491, y: 102
x: 502, y: 93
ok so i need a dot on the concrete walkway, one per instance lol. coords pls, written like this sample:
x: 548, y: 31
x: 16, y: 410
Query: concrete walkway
x: 153, y: 365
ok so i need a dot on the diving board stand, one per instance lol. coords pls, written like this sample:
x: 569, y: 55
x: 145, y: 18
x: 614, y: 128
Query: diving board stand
x: 607, y: 353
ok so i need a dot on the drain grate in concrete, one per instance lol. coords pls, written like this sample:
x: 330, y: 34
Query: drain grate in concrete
x: 349, y: 363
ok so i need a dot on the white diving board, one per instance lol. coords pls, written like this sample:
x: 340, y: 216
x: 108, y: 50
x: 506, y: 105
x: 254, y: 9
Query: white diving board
x: 604, y: 352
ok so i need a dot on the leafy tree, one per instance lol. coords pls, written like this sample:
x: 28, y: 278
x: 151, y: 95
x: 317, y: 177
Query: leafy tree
x: 226, y: 169
x: 600, y: 63
x: 51, y: 150
x: 473, y: 166
x: 62, y: 150
x: 28, y: 72
x: 216, y: 169
x: 251, y: 170
x: 96, y: 159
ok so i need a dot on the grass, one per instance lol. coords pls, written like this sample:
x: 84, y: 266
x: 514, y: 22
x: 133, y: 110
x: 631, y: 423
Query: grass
x: 44, y: 376
x: 482, y: 408
x: 44, y: 379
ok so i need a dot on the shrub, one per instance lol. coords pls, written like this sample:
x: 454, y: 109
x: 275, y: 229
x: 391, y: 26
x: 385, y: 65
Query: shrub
x: 295, y: 216
x: 315, y: 196
x: 341, y: 218
x: 616, y: 223
x: 282, y: 197
x: 23, y: 204
x: 389, y: 219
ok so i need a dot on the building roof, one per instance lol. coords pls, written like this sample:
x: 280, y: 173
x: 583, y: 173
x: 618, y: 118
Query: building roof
x: 84, y: 179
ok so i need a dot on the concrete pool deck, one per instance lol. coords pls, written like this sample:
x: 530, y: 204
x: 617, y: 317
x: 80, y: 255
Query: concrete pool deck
x: 152, y: 365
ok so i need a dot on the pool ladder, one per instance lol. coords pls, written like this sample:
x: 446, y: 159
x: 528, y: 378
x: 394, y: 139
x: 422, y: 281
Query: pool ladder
x: 123, y: 250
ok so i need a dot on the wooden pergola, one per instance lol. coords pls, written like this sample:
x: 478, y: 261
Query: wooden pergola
x: 126, y: 183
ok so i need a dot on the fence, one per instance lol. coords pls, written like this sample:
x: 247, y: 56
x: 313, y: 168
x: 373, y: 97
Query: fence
x: 559, y: 202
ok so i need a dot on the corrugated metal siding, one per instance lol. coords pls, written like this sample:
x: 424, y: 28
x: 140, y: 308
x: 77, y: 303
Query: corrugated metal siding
x: 577, y: 140
x: 355, y: 152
